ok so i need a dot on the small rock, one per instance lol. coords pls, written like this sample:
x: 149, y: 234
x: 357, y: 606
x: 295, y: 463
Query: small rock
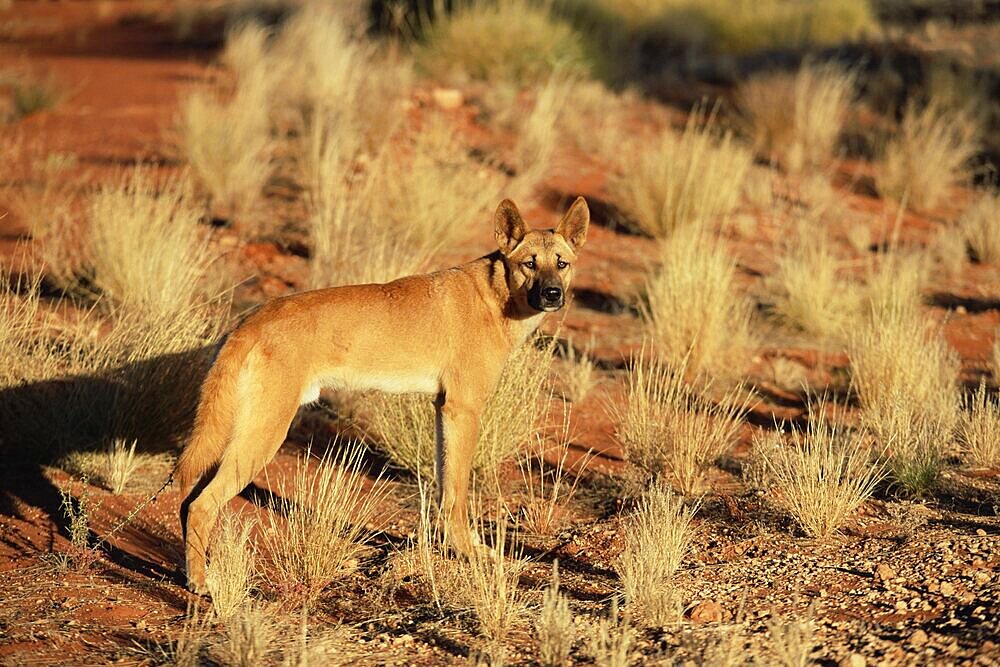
x: 947, y: 588
x: 918, y: 638
x: 707, y: 611
x: 853, y: 660
x: 980, y: 532
x: 883, y: 572
x: 448, y: 98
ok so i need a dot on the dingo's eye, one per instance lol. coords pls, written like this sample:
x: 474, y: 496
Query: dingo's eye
x: 530, y: 264
x: 561, y: 264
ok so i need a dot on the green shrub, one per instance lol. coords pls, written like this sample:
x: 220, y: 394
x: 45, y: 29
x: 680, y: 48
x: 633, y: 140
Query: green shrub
x: 518, y: 41
x: 735, y: 26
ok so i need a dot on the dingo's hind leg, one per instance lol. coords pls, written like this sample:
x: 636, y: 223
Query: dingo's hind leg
x: 259, y: 433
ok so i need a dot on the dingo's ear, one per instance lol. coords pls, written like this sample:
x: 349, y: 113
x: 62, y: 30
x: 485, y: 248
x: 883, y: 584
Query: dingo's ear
x: 573, y: 226
x: 508, y: 226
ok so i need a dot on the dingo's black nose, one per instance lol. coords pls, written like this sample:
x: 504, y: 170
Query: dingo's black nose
x: 552, y: 293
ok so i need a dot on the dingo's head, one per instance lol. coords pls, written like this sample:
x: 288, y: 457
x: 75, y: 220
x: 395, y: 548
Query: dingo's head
x: 540, y: 262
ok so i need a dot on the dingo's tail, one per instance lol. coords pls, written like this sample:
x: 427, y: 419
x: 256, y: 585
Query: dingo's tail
x: 213, y: 424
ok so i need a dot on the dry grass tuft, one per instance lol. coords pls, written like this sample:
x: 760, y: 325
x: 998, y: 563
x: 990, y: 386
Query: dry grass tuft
x: 693, y: 312
x: 249, y: 636
x: 119, y: 467
x: 691, y: 178
x: 930, y: 154
x: 791, y: 642
x: 549, y: 493
x: 404, y: 424
x: 672, y: 430
x: 797, y: 118
x: 979, y: 429
x: 895, y: 282
x: 320, y: 69
x: 392, y: 217
x: 232, y: 569
x: 948, y: 253
x: 491, y: 589
x: 245, y: 50
x: 613, y: 643
x: 590, y: 122
x: 538, y: 132
x: 825, y: 475
x: 578, y: 374
x: 186, y: 649
x: 78, y: 384
x: 424, y: 561
x: 335, y: 646
x: 146, y: 250
x: 904, y: 374
x: 517, y: 41
x: 77, y: 512
x: 45, y: 203
x: 980, y: 225
x: 321, y: 534
x: 227, y: 144
x: 657, y: 538
x: 554, y: 625
x: 808, y: 290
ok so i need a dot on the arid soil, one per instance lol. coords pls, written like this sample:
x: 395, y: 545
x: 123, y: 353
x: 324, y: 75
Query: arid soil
x: 908, y: 581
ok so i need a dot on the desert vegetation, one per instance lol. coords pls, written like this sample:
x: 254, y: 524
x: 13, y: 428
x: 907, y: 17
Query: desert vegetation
x: 764, y: 429
x: 826, y: 475
x: 816, y: 99
x: 929, y: 154
x: 682, y: 179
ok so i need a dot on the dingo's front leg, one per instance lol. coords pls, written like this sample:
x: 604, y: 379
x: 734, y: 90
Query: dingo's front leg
x: 457, y: 431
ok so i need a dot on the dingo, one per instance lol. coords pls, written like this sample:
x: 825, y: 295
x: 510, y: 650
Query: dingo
x: 446, y: 333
